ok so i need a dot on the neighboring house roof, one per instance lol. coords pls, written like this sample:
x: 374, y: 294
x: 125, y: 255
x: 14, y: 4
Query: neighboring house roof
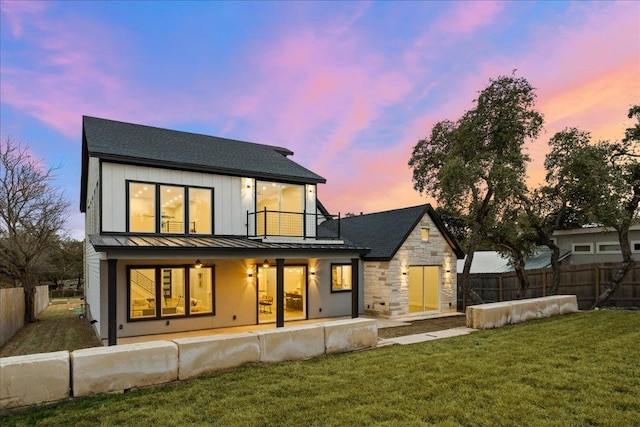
x: 385, y: 232
x: 222, y: 244
x: 494, y: 262
x: 591, y: 230
x: 152, y: 146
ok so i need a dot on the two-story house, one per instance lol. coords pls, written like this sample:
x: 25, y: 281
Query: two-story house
x: 187, y: 232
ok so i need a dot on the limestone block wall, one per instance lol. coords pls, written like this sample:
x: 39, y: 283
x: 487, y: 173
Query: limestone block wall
x: 386, y: 288
x: 32, y: 379
x: 497, y: 314
x: 35, y: 378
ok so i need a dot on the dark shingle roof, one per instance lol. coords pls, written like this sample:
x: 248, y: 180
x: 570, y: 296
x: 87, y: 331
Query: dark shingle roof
x: 384, y: 232
x: 152, y: 146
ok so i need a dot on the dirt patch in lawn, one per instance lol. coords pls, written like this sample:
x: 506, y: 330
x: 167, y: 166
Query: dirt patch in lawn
x: 422, y: 326
x: 59, y: 327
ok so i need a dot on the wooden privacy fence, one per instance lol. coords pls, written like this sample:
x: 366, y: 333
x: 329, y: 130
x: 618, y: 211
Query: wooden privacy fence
x: 586, y: 281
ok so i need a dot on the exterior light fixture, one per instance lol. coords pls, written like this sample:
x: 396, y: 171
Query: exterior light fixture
x: 404, y: 272
x: 265, y: 264
x: 250, y: 273
x: 313, y: 272
x: 198, y: 264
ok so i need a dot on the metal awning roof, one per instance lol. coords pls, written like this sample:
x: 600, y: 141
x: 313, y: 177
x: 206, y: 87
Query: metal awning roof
x: 138, y: 242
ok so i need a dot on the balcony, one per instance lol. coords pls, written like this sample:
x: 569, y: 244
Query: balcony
x: 304, y: 225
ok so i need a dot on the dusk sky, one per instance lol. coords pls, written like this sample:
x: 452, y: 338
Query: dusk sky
x: 350, y: 87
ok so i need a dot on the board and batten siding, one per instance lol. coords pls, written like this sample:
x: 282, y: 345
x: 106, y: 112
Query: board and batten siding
x: 230, y: 202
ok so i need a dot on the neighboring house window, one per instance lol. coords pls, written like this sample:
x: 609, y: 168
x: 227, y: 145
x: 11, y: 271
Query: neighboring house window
x: 582, y: 248
x: 609, y: 248
x: 340, y: 277
x: 171, y: 209
x: 284, y: 204
x: 424, y: 233
x: 158, y: 292
x: 635, y: 246
x: 142, y: 207
x: 170, y: 216
x: 200, y: 200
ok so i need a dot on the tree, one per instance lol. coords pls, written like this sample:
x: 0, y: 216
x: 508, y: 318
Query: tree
x: 551, y: 207
x: 474, y: 164
x: 32, y: 213
x: 602, y: 182
x: 64, y: 262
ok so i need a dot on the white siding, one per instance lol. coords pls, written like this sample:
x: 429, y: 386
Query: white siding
x: 92, y: 283
x: 230, y: 203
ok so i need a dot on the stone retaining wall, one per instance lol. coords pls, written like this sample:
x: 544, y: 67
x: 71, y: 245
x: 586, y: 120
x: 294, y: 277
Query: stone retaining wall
x: 497, y: 314
x: 32, y: 379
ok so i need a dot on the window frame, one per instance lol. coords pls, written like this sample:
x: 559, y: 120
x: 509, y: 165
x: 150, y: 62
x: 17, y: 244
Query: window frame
x: 633, y: 246
x: 158, y: 208
x: 589, y: 252
x: 187, y: 213
x: 606, y: 252
x: 158, y: 292
x: 339, y: 264
x: 424, y: 230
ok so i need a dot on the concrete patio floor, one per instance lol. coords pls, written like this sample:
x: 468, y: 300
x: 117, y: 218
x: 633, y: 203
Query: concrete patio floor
x: 381, y: 322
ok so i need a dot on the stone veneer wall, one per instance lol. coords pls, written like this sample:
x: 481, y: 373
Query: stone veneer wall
x: 386, y: 288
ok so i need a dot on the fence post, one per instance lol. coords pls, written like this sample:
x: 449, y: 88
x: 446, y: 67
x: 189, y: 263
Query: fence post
x: 500, y: 289
x: 544, y: 283
x: 597, y: 295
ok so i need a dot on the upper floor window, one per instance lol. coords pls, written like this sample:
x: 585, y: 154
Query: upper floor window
x: 142, y: 207
x: 424, y: 234
x: 170, y: 215
x: 171, y: 209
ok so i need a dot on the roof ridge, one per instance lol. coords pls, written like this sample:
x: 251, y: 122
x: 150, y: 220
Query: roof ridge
x: 283, y: 150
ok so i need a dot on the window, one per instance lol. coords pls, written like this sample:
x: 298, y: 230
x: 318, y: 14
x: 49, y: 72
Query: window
x: 340, y: 277
x: 635, y: 246
x: 582, y: 248
x: 424, y: 233
x: 609, y: 248
x: 199, y: 210
x: 170, y: 214
x: 162, y: 292
x: 142, y: 207
x: 172, y: 209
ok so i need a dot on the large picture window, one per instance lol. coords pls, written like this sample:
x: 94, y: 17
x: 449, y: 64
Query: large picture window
x: 159, y: 292
x: 199, y: 210
x: 340, y: 277
x: 142, y: 207
x: 169, y: 209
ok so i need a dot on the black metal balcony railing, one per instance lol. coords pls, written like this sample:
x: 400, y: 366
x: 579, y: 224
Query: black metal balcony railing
x: 176, y: 227
x: 267, y: 223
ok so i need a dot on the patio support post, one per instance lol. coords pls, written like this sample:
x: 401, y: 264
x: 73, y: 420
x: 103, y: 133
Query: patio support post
x: 279, y: 292
x: 355, y: 288
x: 112, y: 301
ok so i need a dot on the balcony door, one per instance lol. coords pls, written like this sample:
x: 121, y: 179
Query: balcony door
x: 295, y: 293
x: 284, y: 205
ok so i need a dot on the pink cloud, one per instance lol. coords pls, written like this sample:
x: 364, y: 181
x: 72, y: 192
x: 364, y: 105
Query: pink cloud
x: 467, y: 17
x: 17, y: 12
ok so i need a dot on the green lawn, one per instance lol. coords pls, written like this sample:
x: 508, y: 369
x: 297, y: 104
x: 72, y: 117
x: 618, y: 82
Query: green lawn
x: 581, y: 370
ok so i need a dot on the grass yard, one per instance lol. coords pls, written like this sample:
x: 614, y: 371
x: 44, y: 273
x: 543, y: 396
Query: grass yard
x: 58, y: 328
x: 576, y: 370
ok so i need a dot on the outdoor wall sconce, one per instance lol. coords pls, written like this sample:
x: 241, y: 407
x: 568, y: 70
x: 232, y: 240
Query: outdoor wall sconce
x: 198, y: 264
x: 313, y: 272
x: 265, y: 264
x: 404, y: 272
x: 250, y: 273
